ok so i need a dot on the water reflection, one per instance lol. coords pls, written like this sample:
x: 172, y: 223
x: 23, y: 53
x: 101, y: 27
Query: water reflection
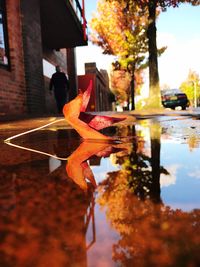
x: 78, y: 168
x: 142, y: 170
x: 151, y: 234
x: 44, y: 218
x: 68, y: 217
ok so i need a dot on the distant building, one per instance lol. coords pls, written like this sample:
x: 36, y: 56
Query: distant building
x: 36, y: 35
x: 101, y: 98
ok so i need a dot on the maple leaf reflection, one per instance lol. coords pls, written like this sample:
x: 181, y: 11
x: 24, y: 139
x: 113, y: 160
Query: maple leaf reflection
x: 77, y: 166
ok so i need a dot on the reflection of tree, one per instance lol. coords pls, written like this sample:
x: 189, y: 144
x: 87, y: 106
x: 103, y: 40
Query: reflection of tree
x: 143, y: 172
x: 155, y: 132
x: 193, y: 142
x: 153, y: 235
x: 150, y: 233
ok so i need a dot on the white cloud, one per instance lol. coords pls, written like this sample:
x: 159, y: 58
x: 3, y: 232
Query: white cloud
x: 195, y: 174
x: 167, y: 180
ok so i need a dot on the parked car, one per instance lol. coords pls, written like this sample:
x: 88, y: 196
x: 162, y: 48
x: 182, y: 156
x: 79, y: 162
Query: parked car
x: 173, y: 98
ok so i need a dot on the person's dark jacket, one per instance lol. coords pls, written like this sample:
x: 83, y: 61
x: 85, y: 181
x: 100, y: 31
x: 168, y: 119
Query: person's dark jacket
x: 59, y: 81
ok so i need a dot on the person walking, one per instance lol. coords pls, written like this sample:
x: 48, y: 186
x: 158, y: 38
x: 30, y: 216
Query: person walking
x: 60, y: 84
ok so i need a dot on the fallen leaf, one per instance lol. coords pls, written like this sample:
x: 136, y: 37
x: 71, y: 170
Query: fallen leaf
x: 87, y: 125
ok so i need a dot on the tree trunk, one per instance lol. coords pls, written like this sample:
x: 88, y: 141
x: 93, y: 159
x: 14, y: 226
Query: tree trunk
x: 131, y: 70
x: 154, y: 88
x: 132, y: 93
x: 155, y: 131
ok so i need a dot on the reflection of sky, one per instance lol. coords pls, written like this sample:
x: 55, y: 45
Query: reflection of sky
x: 53, y: 164
x: 100, y: 172
x: 184, y: 193
x: 1, y: 33
x: 104, y: 234
x: 167, y: 180
x: 1, y: 37
x: 179, y: 189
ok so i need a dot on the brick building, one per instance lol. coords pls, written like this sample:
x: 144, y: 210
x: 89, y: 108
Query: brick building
x: 101, y: 98
x: 36, y: 35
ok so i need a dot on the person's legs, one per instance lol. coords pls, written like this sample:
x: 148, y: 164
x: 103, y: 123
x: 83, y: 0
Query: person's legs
x: 60, y: 100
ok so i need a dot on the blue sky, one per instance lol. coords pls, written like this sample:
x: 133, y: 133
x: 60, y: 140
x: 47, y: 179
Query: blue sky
x: 181, y: 21
x: 177, y: 28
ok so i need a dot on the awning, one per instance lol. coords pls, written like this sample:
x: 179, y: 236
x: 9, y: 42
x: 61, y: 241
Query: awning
x: 62, y: 24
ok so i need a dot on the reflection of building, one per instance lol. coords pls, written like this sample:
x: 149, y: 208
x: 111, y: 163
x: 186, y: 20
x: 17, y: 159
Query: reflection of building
x: 56, y: 232
x: 101, y: 97
x: 35, y: 36
x: 56, y: 216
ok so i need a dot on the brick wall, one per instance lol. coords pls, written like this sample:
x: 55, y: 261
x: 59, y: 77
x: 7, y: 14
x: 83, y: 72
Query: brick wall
x: 23, y: 88
x: 12, y: 82
x: 50, y: 104
x: 32, y: 43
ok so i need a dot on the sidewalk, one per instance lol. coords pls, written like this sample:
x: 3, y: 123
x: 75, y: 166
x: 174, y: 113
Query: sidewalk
x: 31, y: 121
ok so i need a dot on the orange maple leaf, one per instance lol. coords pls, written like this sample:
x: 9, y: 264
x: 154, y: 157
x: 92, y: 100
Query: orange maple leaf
x: 86, y: 124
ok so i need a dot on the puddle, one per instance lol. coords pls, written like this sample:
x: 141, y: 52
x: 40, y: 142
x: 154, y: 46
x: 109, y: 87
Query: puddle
x: 131, y: 202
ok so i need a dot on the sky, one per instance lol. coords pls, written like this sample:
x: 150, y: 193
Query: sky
x: 177, y: 28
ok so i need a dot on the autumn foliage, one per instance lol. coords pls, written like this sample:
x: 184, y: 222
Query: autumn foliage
x: 149, y: 10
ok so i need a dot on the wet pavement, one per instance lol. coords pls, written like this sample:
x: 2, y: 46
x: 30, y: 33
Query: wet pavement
x: 134, y: 201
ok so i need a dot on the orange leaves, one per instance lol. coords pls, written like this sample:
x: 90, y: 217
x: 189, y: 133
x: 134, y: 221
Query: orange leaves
x: 120, y: 83
x: 87, y: 125
x: 77, y: 167
x: 118, y: 28
x: 108, y: 27
x: 72, y: 111
x: 84, y: 123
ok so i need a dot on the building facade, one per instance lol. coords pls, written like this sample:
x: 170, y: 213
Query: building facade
x: 101, y: 97
x: 35, y: 36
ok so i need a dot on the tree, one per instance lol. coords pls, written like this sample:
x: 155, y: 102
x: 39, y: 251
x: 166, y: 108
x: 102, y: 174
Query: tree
x: 120, y: 80
x: 121, y: 31
x: 191, y: 87
x: 151, y: 7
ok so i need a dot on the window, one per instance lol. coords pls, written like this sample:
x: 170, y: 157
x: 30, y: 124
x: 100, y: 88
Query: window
x: 3, y: 35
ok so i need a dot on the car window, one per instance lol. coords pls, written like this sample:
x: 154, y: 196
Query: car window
x: 171, y: 92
